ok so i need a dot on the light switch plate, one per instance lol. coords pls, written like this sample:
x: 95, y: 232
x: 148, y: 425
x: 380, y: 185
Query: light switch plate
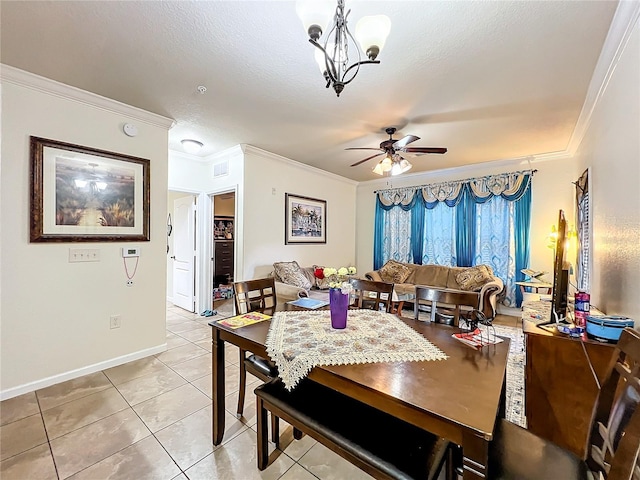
x: 77, y: 255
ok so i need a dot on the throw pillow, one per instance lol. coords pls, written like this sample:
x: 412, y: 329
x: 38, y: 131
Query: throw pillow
x: 394, y: 272
x: 472, y: 279
x: 321, y: 283
x: 291, y: 274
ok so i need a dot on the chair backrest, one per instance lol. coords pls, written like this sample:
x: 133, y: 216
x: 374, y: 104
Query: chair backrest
x: 372, y: 295
x: 448, y: 297
x: 615, y: 431
x: 254, y: 295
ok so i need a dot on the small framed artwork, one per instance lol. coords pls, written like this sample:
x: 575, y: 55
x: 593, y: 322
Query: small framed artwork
x: 305, y: 220
x: 81, y: 194
x: 222, y: 228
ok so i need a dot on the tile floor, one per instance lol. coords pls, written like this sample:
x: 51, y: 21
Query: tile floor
x: 151, y: 419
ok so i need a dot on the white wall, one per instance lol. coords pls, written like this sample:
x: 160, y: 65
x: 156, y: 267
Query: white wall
x: 611, y: 147
x: 267, y: 178
x: 55, y: 314
x: 551, y: 191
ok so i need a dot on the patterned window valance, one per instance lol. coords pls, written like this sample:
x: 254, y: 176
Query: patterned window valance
x: 403, y: 197
x: 510, y: 186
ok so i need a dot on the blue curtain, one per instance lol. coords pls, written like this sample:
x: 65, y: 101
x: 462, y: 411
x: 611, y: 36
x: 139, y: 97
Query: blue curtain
x: 465, y: 229
x: 417, y: 229
x: 521, y: 238
x: 438, y: 238
x: 378, y: 235
x: 391, y: 229
x: 494, y: 245
x: 481, y: 220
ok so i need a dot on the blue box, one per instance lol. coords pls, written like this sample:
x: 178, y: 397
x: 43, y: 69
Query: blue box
x: 607, y: 327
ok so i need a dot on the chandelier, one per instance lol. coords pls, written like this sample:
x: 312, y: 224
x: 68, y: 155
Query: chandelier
x: 332, y: 54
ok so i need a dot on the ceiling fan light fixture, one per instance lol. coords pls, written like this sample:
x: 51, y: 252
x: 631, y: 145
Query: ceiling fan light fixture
x: 372, y: 32
x: 378, y: 169
x: 386, y: 163
x: 405, y: 166
x: 191, y: 146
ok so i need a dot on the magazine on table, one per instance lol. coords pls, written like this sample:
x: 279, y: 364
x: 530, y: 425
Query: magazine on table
x: 244, y: 320
x: 478, y: 338
x: 306, y: 302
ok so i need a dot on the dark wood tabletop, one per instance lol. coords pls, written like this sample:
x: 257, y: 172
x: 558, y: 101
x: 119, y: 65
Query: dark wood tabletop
x: 458, y: 398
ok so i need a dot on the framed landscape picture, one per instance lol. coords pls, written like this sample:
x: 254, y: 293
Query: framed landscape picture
x: 305, y: 220
x: 80, y: 194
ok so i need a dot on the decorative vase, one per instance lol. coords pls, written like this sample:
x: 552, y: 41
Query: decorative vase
x: 339, y: 304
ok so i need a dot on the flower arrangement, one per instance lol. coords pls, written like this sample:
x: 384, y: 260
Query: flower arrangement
x: 337, y: 277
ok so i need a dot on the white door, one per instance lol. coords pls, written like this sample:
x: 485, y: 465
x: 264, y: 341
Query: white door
x: 184, y: 249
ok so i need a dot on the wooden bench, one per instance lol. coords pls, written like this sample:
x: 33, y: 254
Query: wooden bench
x: 376, y: 442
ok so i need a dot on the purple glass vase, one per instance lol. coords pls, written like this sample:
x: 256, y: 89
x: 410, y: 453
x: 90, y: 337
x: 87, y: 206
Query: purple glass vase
x: 339, y: 304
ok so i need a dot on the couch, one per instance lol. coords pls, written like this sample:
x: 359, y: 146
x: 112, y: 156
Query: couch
x: 286, y: 291
x: 479, y: 279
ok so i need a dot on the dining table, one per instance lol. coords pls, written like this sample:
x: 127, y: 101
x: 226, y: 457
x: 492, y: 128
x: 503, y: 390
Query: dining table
x: 458, y: 398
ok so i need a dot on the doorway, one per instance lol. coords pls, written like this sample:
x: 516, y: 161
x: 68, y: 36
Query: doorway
x: 223, y: 207
x: 182, y: 250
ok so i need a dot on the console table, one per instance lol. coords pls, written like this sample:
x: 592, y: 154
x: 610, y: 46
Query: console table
x: 562, y: 379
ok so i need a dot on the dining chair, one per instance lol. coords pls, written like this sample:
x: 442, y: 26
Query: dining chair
x: 614, y: 441
x: 452, y: 300
x: 250, y: 296
x: 372, y: 295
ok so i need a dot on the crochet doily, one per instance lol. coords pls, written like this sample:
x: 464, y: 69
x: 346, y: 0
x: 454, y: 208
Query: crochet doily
x: 298, y: 341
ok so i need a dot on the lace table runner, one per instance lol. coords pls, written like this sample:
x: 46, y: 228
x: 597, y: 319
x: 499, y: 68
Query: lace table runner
x: 298, y: 341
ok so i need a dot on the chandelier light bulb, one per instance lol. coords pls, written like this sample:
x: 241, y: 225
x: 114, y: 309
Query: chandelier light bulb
x: 315, y: 16
x: 372, y: 32
x: 191, y: 146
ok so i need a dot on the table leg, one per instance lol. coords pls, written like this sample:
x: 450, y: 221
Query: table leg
x: 217, y: 381
x: 475, y: 457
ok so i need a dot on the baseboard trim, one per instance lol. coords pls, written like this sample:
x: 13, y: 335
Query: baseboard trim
x: 79, y: 372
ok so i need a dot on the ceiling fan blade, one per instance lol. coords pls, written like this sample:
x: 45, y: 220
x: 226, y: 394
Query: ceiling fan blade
x: 361, y: 148
x: 424, y: 150
x: 403, y: 142
x: 368, y: 158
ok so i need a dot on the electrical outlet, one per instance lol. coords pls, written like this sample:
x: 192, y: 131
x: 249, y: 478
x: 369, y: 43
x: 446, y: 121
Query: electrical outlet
x: 115, y: 321
x: 129, y: 283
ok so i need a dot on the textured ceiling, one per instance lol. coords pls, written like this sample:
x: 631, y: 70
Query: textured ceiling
x: 488, y: 80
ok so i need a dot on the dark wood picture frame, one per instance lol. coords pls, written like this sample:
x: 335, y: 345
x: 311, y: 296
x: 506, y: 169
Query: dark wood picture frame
x: 82, y: 194
x: 305, y: 220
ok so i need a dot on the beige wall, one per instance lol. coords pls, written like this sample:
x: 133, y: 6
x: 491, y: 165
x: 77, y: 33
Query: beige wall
x: 55, y: 314
x: 267, y: 179
x: 611, y: 147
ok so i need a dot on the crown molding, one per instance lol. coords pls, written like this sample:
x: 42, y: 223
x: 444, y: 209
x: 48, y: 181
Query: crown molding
x: 228, y: 154
x: 250, y: 149
x: 622, y: 25
x: 179, y: 155
x: 26, y: 79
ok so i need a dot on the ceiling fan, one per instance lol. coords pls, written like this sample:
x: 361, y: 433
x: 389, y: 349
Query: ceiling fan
x: 393, y: 161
